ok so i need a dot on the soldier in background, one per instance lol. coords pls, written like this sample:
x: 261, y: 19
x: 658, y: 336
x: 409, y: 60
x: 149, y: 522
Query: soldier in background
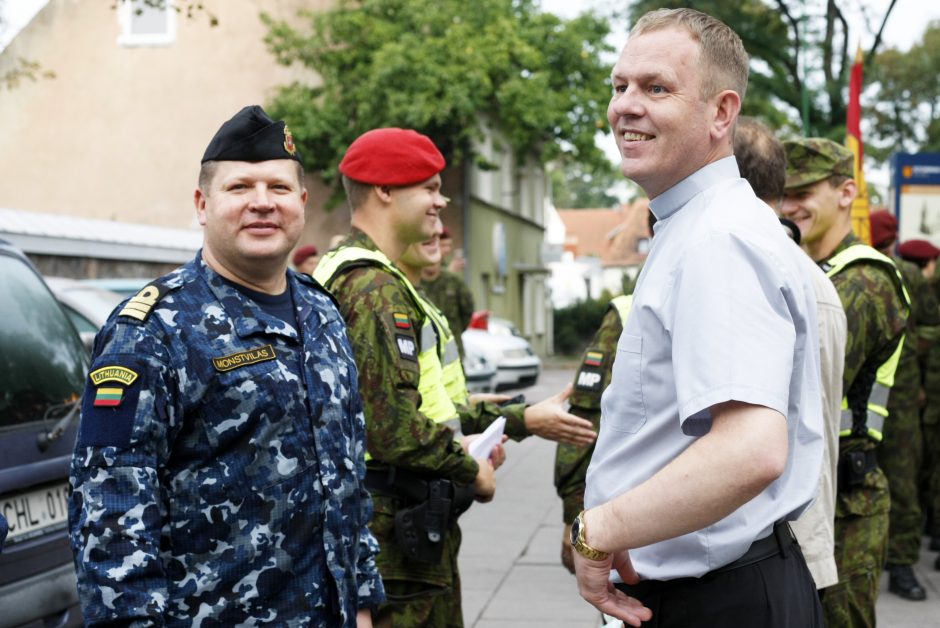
x: 305, y: 259
x: 218, y: 474
x: 924, y: 255
x: 593, y: 376
x: 818, y: 197
x: 901, y: 451
x: 448, y: 291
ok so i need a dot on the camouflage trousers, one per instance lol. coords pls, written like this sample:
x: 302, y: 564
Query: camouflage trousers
x: 417, y: 595
x: 900, y: 456
x: 861, y: 538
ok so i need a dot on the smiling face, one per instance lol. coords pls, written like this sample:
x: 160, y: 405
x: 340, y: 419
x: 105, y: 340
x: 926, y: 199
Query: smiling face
x: 662, y: 124
x: 822, y: 212
x: 417, y: 210
x: 252, y: 215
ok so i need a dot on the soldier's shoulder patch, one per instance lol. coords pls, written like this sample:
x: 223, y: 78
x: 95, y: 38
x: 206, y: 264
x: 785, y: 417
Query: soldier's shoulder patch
x: 142, y: 303
x: 109, y: 405
x: 407, y: 348
x: 589, y: 379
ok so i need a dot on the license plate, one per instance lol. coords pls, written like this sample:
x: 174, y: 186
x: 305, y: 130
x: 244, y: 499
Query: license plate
x: 31, y: 513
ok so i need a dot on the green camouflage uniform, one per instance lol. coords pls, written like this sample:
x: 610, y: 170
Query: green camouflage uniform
x: 900, y: 453
x: 398, y: 435
x: 930, y: 419
x: 593, y: 376
x: 876, y: 319
x: 453, y: 298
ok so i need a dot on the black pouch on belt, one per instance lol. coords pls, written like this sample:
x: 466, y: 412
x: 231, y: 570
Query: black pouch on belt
x: 421, y: 529
x: 853, y: 466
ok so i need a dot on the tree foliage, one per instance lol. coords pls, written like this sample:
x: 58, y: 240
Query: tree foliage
x: 905, y: 113
x: 442, y: 67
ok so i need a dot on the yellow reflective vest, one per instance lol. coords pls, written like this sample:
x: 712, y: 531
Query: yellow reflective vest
x: 436, y: 404
x: 884, y: 378
x: 623, y: 303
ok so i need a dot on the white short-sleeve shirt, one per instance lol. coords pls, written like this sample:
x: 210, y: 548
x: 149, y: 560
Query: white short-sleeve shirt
x: 721, y: 312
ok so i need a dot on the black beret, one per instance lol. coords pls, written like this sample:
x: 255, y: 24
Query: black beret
x: 251, y: 135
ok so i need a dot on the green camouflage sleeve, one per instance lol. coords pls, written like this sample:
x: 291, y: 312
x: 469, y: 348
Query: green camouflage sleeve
x: 593, y: 376
x: 383, y: 324
x: 476, y: 418
x: 465, y: 304
x: 875, y: 316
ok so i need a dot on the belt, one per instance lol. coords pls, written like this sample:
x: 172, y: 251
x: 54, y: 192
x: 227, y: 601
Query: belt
x: 415, y: 488
x: 777, y: 543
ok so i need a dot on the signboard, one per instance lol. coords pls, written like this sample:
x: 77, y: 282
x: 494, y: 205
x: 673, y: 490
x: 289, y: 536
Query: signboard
x: 915, y: 187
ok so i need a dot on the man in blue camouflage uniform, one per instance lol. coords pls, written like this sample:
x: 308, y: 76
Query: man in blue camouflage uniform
x: 218, y: 473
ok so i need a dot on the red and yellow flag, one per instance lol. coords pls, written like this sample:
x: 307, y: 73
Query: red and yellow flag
x: 853, y: 140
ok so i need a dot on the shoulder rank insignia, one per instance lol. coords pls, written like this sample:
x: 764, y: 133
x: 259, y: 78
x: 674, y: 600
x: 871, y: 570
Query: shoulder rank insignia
x: 141, y: 304
x: 243, y: 358
x: 401, y: 320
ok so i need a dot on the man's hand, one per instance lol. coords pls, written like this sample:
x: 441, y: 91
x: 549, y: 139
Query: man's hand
x: 497, y: 456
x: 594, y: 586
x: 549, y: 419
x: 567, y: 552
x: 484, y: 485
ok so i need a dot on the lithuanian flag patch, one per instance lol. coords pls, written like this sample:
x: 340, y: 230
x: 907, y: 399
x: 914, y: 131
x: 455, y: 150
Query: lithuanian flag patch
x: 594, y: 358
x: 108, y: 397
x: 401, y: 320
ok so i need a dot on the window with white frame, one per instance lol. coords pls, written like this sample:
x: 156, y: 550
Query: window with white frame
x: 147, y: 23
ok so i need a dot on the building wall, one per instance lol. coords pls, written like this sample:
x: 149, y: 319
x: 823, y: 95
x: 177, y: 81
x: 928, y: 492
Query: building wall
x: 506, y: 231
x: 119, y: 133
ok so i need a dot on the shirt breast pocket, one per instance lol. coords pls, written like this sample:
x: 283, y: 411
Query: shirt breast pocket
x: 624, y: 407
x: 254, y: 426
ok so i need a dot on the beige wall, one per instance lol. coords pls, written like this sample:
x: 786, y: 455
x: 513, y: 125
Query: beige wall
x: 118, y: 134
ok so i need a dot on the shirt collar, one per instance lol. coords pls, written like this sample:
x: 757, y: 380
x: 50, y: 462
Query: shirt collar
x: 673, y: 199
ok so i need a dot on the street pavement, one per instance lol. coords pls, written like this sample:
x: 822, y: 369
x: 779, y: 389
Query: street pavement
x: 509, y: 561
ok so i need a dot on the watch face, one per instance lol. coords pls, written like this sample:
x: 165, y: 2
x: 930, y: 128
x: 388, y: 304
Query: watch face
x: 575, y: 528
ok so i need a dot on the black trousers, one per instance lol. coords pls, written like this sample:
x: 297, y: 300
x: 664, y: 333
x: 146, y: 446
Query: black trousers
x: 776, y: 592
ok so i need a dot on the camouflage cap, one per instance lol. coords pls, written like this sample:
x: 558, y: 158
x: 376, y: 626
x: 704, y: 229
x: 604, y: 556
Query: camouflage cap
x: 812, y: 159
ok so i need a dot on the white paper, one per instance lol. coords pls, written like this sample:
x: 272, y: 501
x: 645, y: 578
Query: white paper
x: 492, y: 436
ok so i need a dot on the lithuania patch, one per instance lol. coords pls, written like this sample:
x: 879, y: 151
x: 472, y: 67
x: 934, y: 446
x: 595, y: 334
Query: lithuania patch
x: 120, y: 374
x: 108, y: 397
x: 593, y: 358
x: 406, y: 347
x: 401, y: 320
x: 142, y: 303
x: 244, y: 358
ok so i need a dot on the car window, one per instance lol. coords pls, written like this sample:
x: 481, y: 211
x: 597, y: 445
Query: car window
x: 42, y: 361
x: 81, y: 323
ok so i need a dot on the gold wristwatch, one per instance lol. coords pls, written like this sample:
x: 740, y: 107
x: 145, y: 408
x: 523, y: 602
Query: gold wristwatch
x: 580, y: 545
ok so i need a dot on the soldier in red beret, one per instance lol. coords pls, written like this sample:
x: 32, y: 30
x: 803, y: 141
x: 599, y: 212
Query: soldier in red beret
x: 306, y: 259
x: 924, y: 255
x: 419, y: 472
x: 901, y: 450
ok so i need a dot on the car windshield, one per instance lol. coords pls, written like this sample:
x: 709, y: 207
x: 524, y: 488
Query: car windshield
x: 89, y: 307
x: 42, y: 363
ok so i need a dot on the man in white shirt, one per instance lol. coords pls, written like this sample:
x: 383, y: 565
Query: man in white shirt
x: 711, y: 429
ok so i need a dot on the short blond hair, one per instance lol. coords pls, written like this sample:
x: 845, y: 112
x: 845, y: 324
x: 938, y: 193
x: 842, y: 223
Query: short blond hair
x: 724, y: 59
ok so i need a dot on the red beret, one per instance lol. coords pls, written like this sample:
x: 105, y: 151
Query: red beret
x: 392, y: 157
x: 884, y: 227
x: 303, y: 253
x: 445, y: 233
x: 918, y: 251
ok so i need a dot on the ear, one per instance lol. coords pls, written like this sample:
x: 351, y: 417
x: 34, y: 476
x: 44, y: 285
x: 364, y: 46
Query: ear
x: 199, y: 200
x: 727, y: 107
x: 848, y: 190
x: 384, y: 193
